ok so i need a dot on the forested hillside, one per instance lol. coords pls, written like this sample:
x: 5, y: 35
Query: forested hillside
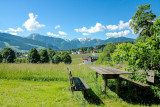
x: 22, y: 44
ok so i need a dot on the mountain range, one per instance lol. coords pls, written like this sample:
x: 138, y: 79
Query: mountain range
x: 38, y: 41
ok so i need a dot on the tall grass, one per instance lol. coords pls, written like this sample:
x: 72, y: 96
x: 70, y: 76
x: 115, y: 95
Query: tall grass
x: 48, y: 85
x: 36, y: 72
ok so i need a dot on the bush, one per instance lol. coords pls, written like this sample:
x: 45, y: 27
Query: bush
x: 33, y: 56
x: 66, y: 58
x: 121, y: 54
x: 56, y: 59
x: 8, y: 55
x: 1, y: 58
x: 44, y: 58
x: 106, y: 54
x: 51, y: 53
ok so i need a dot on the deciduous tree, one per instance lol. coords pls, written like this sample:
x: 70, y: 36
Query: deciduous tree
x: 142, y: 21
x: 33, y: 56
x: 8, y: 55
x: 44, y: 58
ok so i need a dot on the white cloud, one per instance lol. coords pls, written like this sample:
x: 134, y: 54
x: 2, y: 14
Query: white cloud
x: 120, y: 26
x: 97, y: 28
x: 83, y: 29
x: 112, y: 27
x: 31, y: 24
x: 62, y: 33
x: 119, y: 34
x: 63, y: 36
x: 53, y: 35
x: 0, y: 30
x: 108, y: 37
x: 85, y: 34
x: 14, y: 33
x: 15, y: 30
x: 57, y: 26
x: 57, y: 35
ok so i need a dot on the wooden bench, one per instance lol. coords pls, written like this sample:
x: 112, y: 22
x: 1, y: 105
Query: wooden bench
x: 76, y: 83
x: 142, y: 85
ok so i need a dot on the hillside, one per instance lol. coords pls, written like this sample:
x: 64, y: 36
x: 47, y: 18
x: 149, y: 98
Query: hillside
x: 75, y: 43
x: 21, y: 44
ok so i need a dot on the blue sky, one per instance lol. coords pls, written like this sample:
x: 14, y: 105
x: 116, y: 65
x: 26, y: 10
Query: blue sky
x: 74, y: 18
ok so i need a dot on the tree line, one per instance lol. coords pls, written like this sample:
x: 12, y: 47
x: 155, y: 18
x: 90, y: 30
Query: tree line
x: 7, y: 55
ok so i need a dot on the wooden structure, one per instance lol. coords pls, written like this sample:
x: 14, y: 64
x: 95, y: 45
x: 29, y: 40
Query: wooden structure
x: 142, y: 85
x: 150, y: 76
x: 76, y: 83
x: 109, y: 73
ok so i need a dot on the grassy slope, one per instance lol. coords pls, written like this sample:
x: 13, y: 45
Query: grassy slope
x: 47, y: 85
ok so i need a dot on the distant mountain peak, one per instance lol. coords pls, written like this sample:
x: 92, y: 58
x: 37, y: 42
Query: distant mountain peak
x: 66, y: 44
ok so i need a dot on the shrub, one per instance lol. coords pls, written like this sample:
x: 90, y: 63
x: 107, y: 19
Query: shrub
x: 33, y: 56
x: 44, y: 58
x: 8, y: 55
x: 56, y: 59
x: 66, y: 58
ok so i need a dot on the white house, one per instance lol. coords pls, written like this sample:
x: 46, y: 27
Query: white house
x: 74, y: 52
x: 79, y: 52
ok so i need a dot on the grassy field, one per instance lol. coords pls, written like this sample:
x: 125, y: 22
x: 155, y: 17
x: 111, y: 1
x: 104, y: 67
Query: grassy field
x: 46, y: 85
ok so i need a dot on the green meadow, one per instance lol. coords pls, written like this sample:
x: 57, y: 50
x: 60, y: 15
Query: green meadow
x: 47, y: 85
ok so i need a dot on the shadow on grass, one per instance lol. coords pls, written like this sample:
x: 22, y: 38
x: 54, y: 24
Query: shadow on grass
x: 92, y: 98
x: 136, y: 95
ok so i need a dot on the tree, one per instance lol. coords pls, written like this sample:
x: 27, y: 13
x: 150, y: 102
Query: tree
x: 66, y: 58
x: 121, y: 53
x: 108, y: 49
x: 51, y: 53
x: 44, y: 58
x: 106, y: 54
x: 1, y: 58
x: 33, y: 56
x: 56, y: 59
x: 142, y: 21
x: 8, y: 55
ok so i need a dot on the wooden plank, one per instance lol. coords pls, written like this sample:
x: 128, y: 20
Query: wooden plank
x: 135, y: 82
x: 118, y: 70
x: 70, y: 80
x: 104, y: 84
x: 98, y: 70
x: 151, y: 76
x: 84, y: 83
x: 80, y: 84
x: 111, y: 76
x: 96, y: 75
x: 109, y: 70
x: 118, y: 86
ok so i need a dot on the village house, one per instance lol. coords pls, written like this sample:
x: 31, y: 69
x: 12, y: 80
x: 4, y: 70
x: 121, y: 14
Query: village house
x: 74, y: 52
x: 89, y: 59
x: 80, y: 52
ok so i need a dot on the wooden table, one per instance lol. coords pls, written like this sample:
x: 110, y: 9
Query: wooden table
x: 109, y: 73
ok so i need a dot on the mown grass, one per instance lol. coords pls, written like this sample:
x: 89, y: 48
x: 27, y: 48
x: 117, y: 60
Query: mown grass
x: 47, y: 85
